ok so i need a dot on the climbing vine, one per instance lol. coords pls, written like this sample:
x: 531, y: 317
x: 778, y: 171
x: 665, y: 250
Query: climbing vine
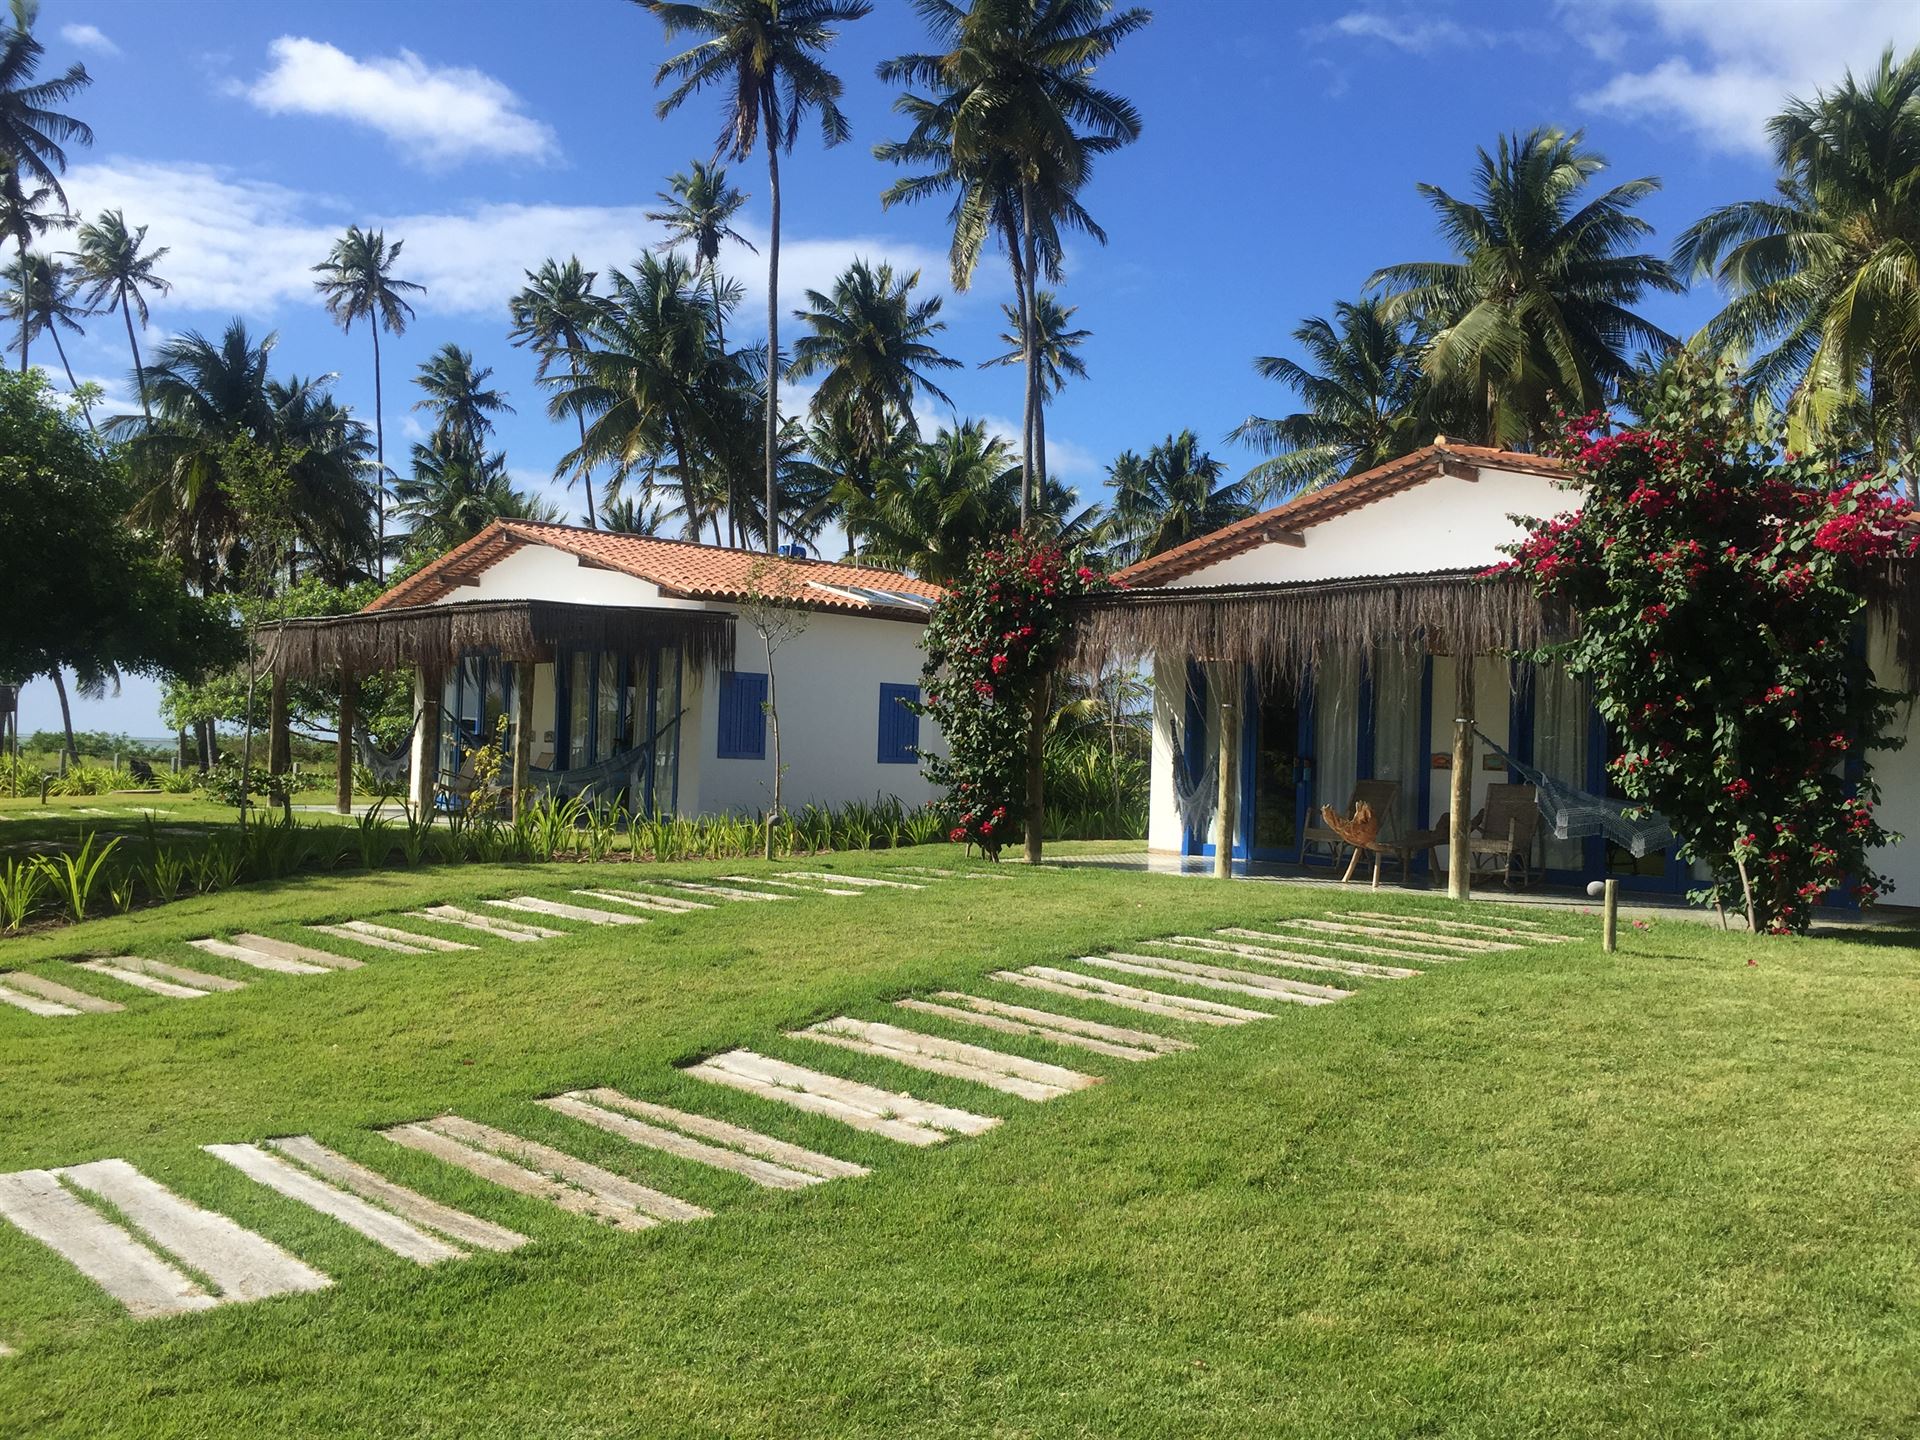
x: 1721, y: 585
x: 991, y: 646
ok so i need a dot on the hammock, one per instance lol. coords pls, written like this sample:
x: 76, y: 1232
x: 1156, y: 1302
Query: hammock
x: 1196, y: 797
x: 1576, y: 814
x: 630, y: 766
x: 389, y: 767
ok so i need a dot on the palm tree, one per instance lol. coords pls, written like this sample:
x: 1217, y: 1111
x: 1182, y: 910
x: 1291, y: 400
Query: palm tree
x: 357, y: 283
x: 1168, y: 498
x: 32, y: 132
x: 1536, y: 310
x: 1359, y: 386
x: 114, y: 272
x: 24, y: 218
x: 332, y: 506
x: 1055, y: 344
x: 550, y: 314
x: 1823, y: 278
x: 700, y: 206
x: 960, y: 491
x: 764, y: 53
x: 870, y: 342
x: 455, y: 393
x: 628, y: 516
x: 43, y: 298
x: 1011, y: 128
x: 455, y: 492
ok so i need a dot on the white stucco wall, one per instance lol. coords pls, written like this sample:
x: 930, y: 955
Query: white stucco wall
x: 1169, y: 707
x: 1445, y: 523
x: 1898, y: 772
x: 539, y: 572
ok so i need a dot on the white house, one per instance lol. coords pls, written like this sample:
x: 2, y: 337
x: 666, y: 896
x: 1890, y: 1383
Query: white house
x: 1333, y: 627
x: 631, y: 663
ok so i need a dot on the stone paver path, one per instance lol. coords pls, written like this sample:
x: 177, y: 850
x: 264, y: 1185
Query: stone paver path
x: 51, y: 996
x: 534, y: 905
x: 521, y: 932
x: 615, y: 1113
x: 260, y: 960
x: 1011, y: 1074
x: 1110, y: 1040
x: 898, y: 1116
x: 156, y: 977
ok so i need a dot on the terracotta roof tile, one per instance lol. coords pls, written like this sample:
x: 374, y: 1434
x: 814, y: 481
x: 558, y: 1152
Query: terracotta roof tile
x: 1318, y: 506
x: 681, y: 568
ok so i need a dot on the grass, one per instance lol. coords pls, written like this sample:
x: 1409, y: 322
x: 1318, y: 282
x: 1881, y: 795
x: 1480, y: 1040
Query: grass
x: 1541, y: 1192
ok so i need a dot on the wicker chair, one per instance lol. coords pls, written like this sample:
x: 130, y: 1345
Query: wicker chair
x: 1504, y: 831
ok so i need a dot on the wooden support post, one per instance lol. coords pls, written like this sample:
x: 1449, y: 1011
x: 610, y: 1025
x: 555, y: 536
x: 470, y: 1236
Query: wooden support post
x: 1610, y: 917
x: 1460, y: 815
x: 343, y: 765
x: 522, y: 732
x: 279, y: 733
x: 424, y: 759
x: 1225, y: 820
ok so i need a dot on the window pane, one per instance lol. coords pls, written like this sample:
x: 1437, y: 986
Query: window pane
x: 1397, y: 743
x: 579, y: 707
x: 1560, y: 733
x: 607, y: 707
x: 666, y: 742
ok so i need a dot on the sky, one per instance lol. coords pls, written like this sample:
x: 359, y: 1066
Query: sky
x: 1283, y: 143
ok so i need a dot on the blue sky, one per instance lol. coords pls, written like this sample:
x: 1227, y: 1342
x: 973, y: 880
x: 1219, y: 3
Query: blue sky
x: 1283, y: 143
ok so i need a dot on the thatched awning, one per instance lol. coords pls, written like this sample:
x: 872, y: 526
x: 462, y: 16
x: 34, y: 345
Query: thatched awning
x: 1280, y: 630
x: 437, y: 635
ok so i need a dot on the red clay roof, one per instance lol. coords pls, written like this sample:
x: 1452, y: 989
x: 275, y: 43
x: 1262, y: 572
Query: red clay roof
x: 1318, y: 506
x: 681, y: 568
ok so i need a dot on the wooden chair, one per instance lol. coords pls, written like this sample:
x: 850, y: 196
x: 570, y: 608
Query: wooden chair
x: 1503, y: 833
x: 1377, y: 833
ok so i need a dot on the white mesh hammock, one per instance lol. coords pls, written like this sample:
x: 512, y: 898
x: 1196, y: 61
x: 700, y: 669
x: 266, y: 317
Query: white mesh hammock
x: 1576, y: 814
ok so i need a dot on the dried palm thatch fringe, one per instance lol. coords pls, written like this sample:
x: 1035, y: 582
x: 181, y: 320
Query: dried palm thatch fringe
x: 438, y: 635
x: 1282, y: 630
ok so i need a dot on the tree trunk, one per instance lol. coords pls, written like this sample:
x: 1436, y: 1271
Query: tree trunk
x: 1037, y: 771
x: 72, y: 384
x: 1460, y: 816
x: 66, y: 713
x: 773, y: 724
x: 1227, y: 768
x: 379, y: 462
x: 586, y: 472
x: 1029, y: 343
x: 139, y: 374
x: 279, y: 736
x: 343, y: 758
x: 773, y: 332
x: 24, y: 312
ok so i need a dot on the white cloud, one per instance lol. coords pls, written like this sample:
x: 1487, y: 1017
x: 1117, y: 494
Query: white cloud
x: 1065, y: 459
x: 1722, y: 76
x: 437, y: 115
x: 89, y: 37
x: 1417, y: 33
x: 249, y: 246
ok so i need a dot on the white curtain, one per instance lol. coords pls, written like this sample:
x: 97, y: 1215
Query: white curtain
x: 1336, y: 731
x: 1560, y: 734
x: 1399, y: 749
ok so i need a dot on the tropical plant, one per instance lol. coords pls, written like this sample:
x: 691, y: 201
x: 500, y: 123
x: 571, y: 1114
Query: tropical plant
x: 20, y: 884
x: 551, y: 314
x: 113, y: 271
x: 700, y: 206
x: 1536, y: 313
x: 456, y: 394
x: 32, y: 134
x: 1172, y: 495
x: 1360, y: 385
x: 1010, y: 127
x: 357, y: 283
x: 25, y: 218
x: 1823, y: 278
x: 73, y: 873
x: 871, y: 345
x: 1054, y: 340
x: 454, y: 493
x: 46, y: 292
x: 764, y: 54
x: 959, y: 491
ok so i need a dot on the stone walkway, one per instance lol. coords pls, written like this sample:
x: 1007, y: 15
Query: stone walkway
x: 158, y: 1254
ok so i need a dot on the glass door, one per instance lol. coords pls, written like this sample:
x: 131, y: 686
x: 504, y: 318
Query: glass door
x: 1280, y: 769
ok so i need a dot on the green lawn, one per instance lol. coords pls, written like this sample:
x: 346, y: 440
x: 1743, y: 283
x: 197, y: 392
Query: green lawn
x: 1541, y: 1192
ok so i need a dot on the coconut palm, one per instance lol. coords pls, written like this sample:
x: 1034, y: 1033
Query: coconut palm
x: 332, y: 505
x: 33, y: 133
x: 1169, y: 497
x: 42, y: 294
x: 1359, y: 385
x: 456, y: 491
x: 764, y: 54
x: 1010, y: 127
x: 1823, y: 277
x: 700, y: 206
x: 960, y: 491
x: 870, y: 342
x: 628, y: 516
x: 1055, y: 344
x: 357, y: 283
x: 1536, y: 311
x: 115, y: 272
x: 456, y: 394
x: 550, y: 314
x: 25, y: 216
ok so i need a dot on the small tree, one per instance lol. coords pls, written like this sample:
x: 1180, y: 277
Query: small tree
x: 1721, y: 586
x: 992, y: 646
x: 776, y: 616
x: 259, y: 481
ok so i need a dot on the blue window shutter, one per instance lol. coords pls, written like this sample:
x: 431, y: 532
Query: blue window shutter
x: 743, y: 720
x: 899, y: 726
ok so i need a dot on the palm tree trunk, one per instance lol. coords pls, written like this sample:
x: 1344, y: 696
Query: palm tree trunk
x: 24, y: 311
x: 1017, y: 262
x: 720, y: 349
x: 66, y: 713
x: 379, y: 461
x: 1036, y: 464
x: 72, y: 384
x: 586, y: 472
x: 139, y: 374
x: 773, y: 329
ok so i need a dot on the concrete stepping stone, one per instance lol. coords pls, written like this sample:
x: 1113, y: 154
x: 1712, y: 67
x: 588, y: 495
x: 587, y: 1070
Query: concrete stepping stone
x: 898, y: 1116
x: 1294, y: 959
x: 1190, y: 969
x: 934, y: 872
x: 1416, y: 930
x: 723, y: 892
x: 244, y: 1266
x: 40, y: 1206
x: 864, y: 882
x: 259, y: 960
x: 487, y: 924
x: 306, y: 954
x: 735, y: 1137
x: 1338, y: 943
x: 380, y: 1226
x: 367, y: 930
x: 1010, y: 1074
x: 1416, y: 938
x: 350, y: 1175
x: 34, y: 1005
x: 60, y: 994
x: 814, y: 888
x: 1536, y: 936
x: 1185, y: 976
x: 1130, y: 997
x: 579, y: 1106
x: 169, y: 981
x: 571, y: 1184
x: 1118, y: 1034
x: 1008, y: 1025
x: 639, y: 900
x: 7, y: 1351
x: 533, y: 905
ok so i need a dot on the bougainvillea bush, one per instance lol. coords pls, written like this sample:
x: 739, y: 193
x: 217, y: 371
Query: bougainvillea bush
x: 991, y: 646
x: 1721, y: 585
